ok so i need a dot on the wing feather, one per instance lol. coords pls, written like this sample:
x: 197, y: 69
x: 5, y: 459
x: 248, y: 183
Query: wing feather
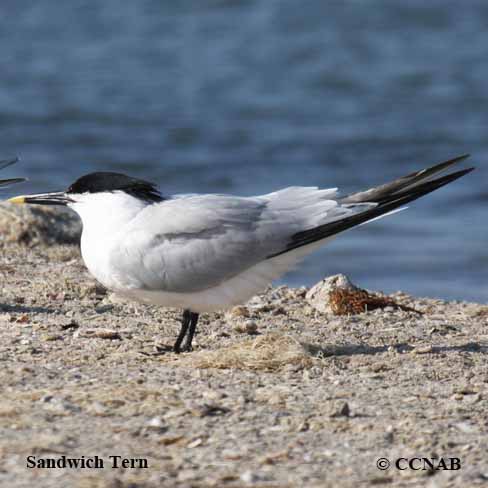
x: 194, y: 243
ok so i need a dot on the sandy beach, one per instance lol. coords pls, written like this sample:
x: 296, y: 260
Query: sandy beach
x: 275, y: 394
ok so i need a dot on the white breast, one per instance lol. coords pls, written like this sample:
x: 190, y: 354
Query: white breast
x: 105, y: 217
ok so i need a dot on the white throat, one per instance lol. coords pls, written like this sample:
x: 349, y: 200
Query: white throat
x: 104, y: 216
x: 104, y: 213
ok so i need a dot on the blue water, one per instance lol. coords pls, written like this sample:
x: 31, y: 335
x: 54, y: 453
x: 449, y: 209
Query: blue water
x: 250, y: 96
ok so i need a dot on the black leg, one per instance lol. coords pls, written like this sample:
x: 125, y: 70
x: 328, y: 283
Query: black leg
x: 191, y: 332
x: 185, y: 322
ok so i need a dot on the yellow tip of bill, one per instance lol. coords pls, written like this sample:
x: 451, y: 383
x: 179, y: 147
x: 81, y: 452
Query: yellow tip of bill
x: 18, y: 200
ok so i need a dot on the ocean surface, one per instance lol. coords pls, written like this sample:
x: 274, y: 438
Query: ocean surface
x: 247, y: 97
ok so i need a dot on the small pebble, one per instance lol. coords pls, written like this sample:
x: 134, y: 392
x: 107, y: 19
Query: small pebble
x: 249, y: 327
x: 239, y: 311
x: 343, y: 410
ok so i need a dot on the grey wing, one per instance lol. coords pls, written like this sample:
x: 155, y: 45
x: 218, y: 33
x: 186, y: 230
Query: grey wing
x: 194, y: 243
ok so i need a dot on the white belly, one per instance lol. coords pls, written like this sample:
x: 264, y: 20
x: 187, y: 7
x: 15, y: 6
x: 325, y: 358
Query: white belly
x: 104, y: 263
x: 229, y: 293
x: 238, y: 289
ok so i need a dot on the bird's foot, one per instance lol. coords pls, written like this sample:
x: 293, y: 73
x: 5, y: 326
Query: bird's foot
x: 186, y: 348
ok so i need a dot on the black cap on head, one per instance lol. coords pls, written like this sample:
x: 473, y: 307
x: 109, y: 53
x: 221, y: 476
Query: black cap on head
x: 110, y: 182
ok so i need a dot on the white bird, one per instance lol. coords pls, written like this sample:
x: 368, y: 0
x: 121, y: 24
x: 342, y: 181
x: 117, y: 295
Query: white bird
x: 210, y: 252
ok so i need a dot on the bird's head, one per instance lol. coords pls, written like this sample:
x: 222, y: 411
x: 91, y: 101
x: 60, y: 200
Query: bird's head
x: 98, y: 192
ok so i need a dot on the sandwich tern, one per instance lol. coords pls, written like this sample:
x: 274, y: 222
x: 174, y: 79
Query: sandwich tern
x: 203, y: 253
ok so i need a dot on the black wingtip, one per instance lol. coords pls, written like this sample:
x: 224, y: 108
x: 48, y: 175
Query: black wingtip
x: 8, y: 162
x: 437, y: 168
x: 457, y: 159
x: 463, y: 172
x: 385, y: 205
x: 429, y: 186
x: 11, y: 181
x: 385, y: 191
x: 461, y: 158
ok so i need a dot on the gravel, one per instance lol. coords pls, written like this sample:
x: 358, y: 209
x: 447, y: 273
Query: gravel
x: 275, y: 394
